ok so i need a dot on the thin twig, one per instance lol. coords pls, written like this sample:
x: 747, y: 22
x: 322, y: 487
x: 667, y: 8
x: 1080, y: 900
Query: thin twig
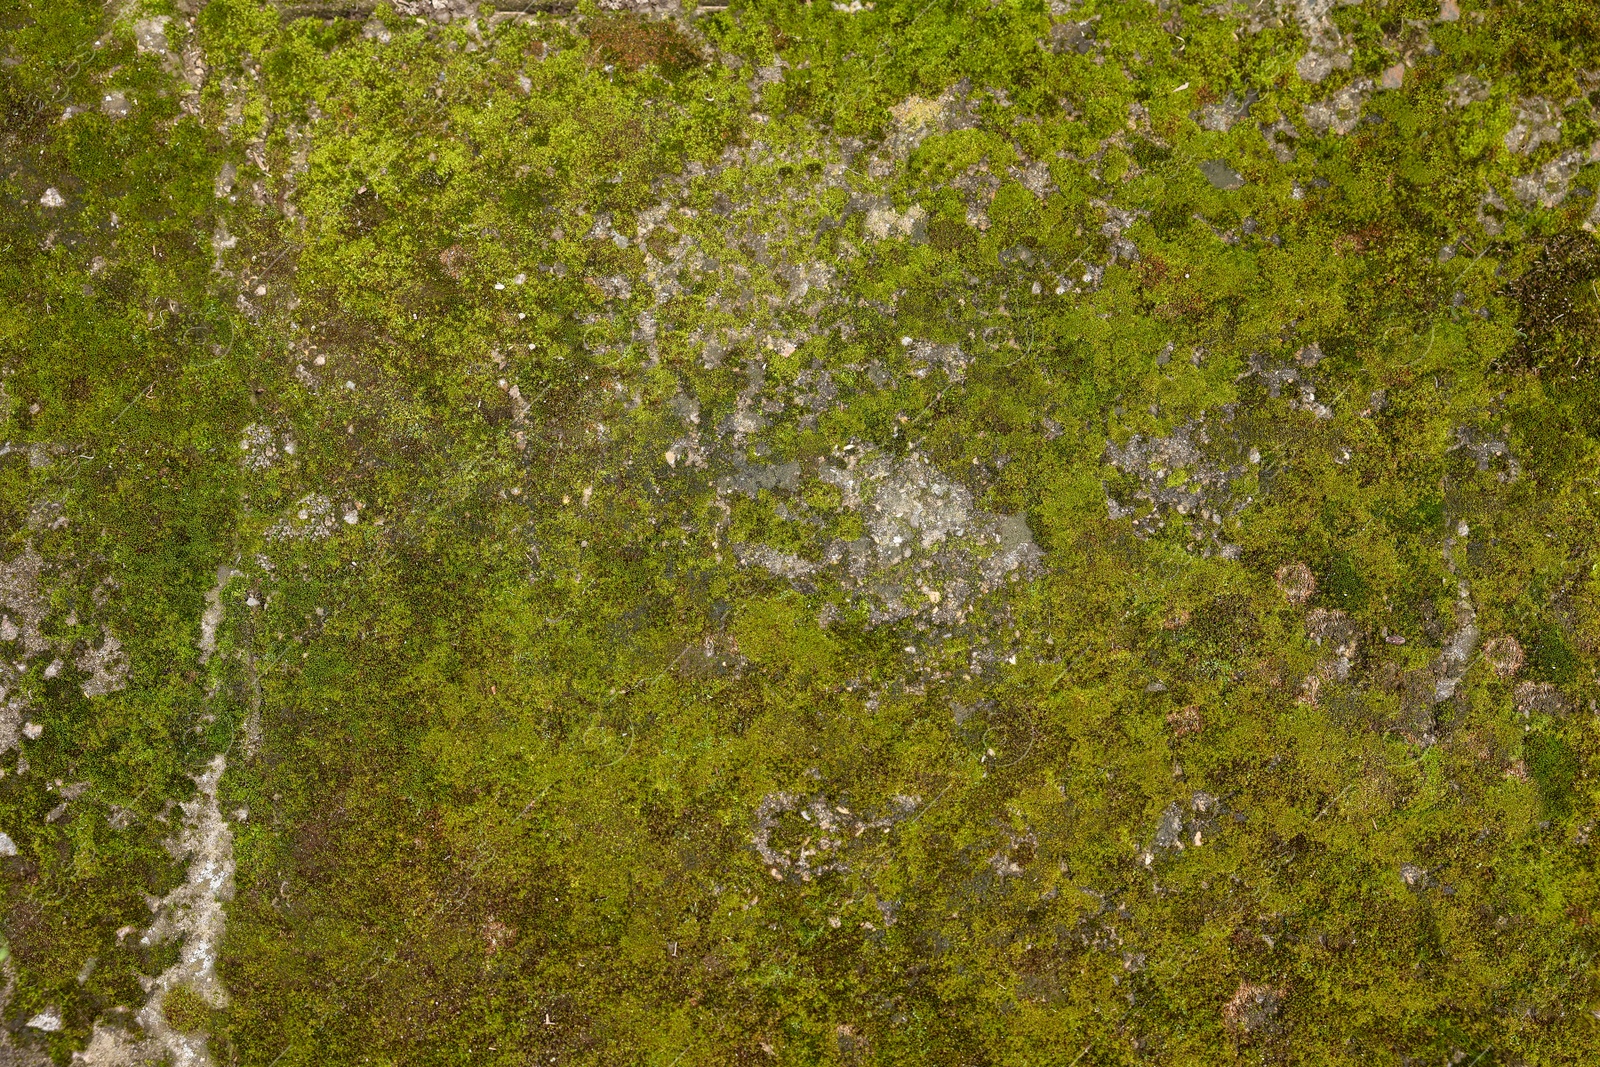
x: 130, y: 404
x: 931, y: 803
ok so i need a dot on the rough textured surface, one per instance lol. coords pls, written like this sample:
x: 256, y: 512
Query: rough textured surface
x: 799, y: 533
x: 190, y: 916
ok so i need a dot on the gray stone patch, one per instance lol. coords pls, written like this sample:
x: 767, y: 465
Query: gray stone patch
x: 1173, y: 474
x: 926, y: 356
x: 1253, y: 1009
x: 1538, y: 122
x: 1118, y: 222
x: 150, y: 35
x: 824, y: 830
x: 1183, y: 826
x: 106, y: 664
x: 1279, y: 377
x: 1488, y: 451
x: 1327, y: 50
x: 313, y: 518
x: 1011, y: 860
x: 916, y: 118
x: 47, y: 1021
x: 1278, y: 136
x: 656, y: 9
x: 928, y: 552
x: 1035, y: 177
x: 260, y: 447
x: 778, y: 564
x: 1548, y: 186
x: 907, y: 504
x: 23, y: 601
x: 771, y: 74
x: 884, y: 223
x: 1415, y: 877
x: 1491, y: 212
x: 438, y: 10
x: 1341, y: 112
x: 1450, y: 668
x: 978, y: 186
x: 1468, y: 89
x: 1221, y: 176
x: 750, y: 478
x: 1069, y: 36
x: 193, y: 914
x: 1336, y: 632
x: 747, y: 417
x: 1220, y: 116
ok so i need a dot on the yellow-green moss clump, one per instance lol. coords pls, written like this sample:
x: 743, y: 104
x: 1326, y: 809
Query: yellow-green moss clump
x: 184, y: 1009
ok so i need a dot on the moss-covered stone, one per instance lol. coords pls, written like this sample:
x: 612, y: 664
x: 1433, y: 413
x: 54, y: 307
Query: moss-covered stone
x: 798, y: 533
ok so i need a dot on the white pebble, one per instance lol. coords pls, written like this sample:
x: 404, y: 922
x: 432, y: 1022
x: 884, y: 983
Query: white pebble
x: 48, y: 1020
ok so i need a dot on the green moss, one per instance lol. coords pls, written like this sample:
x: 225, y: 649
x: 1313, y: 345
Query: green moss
x: 184, y: 1009
x: 505, y: 739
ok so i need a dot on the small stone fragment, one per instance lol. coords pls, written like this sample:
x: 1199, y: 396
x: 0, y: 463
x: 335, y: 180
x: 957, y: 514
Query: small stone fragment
x: 1185, y: 720
x: 1253, y: 1009
x: 1296, y: 582
x: 48, y: 1020
x: 1504, y: 655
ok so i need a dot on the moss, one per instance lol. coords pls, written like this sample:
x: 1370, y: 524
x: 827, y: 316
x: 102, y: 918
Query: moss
x: 505, y: 711
x: 184, y: 1009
